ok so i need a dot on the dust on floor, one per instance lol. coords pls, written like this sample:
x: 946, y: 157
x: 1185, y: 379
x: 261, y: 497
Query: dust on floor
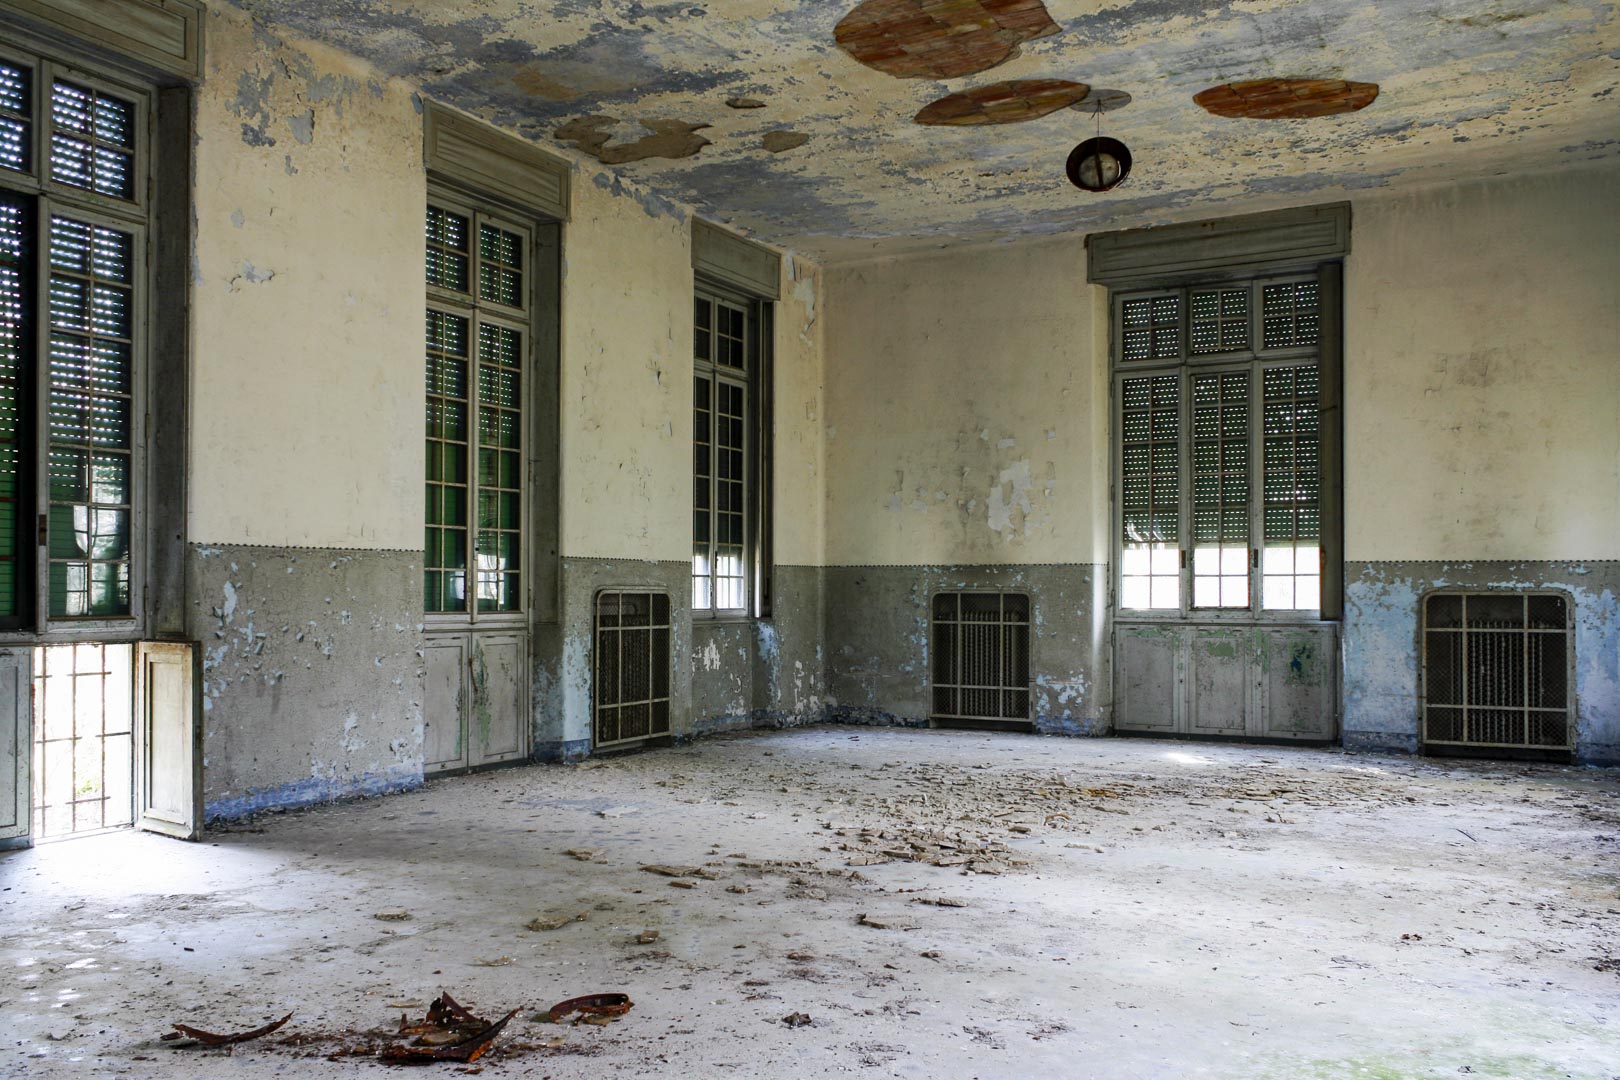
x: 880, y: 902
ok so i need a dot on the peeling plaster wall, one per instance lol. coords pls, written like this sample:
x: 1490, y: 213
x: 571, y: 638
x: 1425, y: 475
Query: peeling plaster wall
x: 306, y: 442
x: 1482, y: 428
x: 1382, y: 646
x: 626, y: 474
x: 311, y: 674
x: 1482, y: 409
x: 880, y: 652
x: 966, y: 449
x: 305, y: 460
x: 626, y: 374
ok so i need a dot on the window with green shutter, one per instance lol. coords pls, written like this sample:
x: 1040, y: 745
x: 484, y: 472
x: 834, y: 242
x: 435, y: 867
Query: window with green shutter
x: 1219, y: 460
x: 477, y: 347
x: 74, y: 216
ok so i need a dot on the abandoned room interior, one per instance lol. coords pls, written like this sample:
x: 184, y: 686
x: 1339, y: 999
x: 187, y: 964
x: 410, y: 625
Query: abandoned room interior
x: 928, y: 538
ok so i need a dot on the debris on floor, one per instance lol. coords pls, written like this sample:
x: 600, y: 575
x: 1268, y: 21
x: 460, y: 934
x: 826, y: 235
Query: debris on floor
x: 682, y: 872
x: 588, y: 1005
x: 1500, y: 876
x: 555, y: 922
x: 211, y: 1040
x: 449, y: 1032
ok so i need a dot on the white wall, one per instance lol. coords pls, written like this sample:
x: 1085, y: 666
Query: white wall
x: 966, y: 404
x: 627, y: 383
x: 1482, y: 371
x: 307, y: 293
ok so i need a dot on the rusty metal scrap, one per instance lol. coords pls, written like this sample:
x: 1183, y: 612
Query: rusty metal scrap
x: 210, y: 1039
x: 449, y: 1032
x: 592, y: 1005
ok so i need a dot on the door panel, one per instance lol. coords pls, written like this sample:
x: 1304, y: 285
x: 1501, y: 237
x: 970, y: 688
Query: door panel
x: 1298, y: 682
x: 500, y: 694
x: 1147, y: 684
x: 1219, y: 679
x: 16, y: 746
x: 168, y: 791
x: 444, y: 703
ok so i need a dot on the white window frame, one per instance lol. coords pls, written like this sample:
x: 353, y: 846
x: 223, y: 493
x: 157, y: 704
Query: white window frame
x: 478, y: 312
x: 748, y: 381
x: 1184, y: 365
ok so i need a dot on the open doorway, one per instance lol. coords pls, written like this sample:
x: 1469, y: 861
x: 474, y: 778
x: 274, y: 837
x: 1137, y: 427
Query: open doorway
x: 83, y: 739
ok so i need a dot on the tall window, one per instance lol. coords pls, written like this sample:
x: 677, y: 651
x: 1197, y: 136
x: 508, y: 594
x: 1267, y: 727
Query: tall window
x: 478, y: 330
x: 74, y: 209
x: 1219, y: 472
x: 726, y: 365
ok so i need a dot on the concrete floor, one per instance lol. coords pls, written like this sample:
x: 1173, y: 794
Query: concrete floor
x: 1146, y: 909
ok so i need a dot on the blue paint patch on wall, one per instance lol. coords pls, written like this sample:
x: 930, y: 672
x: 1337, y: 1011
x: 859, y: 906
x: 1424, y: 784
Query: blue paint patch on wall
x: 314, y: 791
x: 1071, y: 726
x: 566, y: 750
x: 1382, y: 653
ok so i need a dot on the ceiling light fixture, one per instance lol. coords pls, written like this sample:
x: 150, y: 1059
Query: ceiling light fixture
x: 1098, y: 164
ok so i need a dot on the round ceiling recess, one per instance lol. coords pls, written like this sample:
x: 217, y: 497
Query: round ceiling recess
x: 1003, y: 103
x: 940, y: 39
x: 1286, y: 99
x: 1099, y: 164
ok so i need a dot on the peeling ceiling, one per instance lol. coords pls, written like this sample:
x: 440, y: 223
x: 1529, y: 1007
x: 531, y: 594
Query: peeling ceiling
x: 1466, y: 88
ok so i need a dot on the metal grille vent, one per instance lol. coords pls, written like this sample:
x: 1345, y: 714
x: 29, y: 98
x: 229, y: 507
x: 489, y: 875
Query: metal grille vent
x: 1496, y: 671
x: 632, y: 667
x: 981, y: 657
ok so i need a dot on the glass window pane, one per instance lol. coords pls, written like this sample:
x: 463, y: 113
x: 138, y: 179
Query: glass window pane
x: 1150, y: 495
x: 16, y: 117
x: 448, y: 255
x: 16, y: 317
x: 92, y: 140
x: 1220, y: 487
x: 1291, y: 487
x: 500, y: 266
x: 88, y: 394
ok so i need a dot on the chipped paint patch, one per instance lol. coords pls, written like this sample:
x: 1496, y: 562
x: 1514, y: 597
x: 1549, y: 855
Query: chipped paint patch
x: 778, y: 141
x: 1009, y: 496
x: 654, y: 205
x: 616, y: 142
x: 314, y: 791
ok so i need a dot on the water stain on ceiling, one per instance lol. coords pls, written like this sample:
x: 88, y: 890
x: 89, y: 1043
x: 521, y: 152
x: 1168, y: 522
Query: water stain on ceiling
x: 1467, y: 88
x: 940, y: 39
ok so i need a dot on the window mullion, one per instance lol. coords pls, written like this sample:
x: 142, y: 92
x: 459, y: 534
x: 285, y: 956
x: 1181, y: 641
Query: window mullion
x: 35, y: 531
x: 1257, y: 481
x: 1184, y: 486
x: 474, y: 442
x: 714, y: 476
